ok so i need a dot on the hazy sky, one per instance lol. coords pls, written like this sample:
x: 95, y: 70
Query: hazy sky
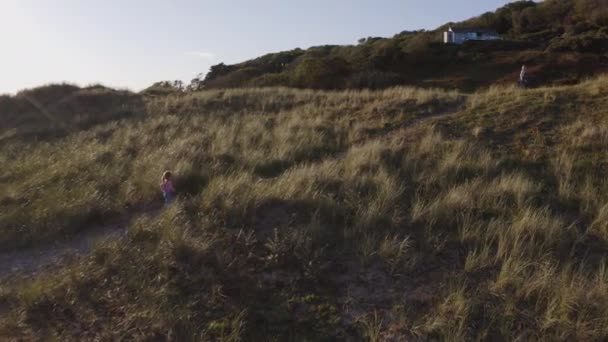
x: 133, y: 43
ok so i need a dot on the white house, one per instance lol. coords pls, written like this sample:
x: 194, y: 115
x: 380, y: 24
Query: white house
x: 459, y: 36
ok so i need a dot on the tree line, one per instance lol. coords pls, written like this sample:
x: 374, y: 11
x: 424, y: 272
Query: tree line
x: 413, y: 57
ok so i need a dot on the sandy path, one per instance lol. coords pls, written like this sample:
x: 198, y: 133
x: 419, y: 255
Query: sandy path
x: 28, y: 262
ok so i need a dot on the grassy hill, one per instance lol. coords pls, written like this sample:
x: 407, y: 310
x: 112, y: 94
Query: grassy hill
x: 316, y: 215
x: 57, y: 110
x: 563, y: 42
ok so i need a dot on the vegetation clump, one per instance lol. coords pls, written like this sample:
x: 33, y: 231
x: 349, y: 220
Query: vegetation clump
x: 564, y: 41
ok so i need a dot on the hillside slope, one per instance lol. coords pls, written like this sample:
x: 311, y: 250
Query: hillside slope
x: 57, y: 110
x: 564, y: 42
x: 314, y: 215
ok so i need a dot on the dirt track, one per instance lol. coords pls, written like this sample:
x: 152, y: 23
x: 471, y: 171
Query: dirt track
x: 28, y: 262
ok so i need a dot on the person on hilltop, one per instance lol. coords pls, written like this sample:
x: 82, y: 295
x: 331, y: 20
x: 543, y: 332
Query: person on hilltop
x: 166, y: 186
x: 523, y: 77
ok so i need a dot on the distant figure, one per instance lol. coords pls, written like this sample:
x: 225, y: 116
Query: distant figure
x: 166, y: 186
x: 523, y: 77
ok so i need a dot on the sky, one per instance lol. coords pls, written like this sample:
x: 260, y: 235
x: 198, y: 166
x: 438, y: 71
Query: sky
x: 134, y: 43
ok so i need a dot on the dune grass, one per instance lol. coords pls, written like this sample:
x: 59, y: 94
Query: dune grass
x: 309, y: 215
x: 96, y: 173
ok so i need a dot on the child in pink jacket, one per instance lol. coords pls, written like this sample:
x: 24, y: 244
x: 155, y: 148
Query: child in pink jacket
x: 166, y: 186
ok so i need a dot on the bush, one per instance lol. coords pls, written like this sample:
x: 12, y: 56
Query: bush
x: 271, y: 80
x: 320, y: 73
x: 235, y: 79
x: 373, y: 80
x: 594, y: 42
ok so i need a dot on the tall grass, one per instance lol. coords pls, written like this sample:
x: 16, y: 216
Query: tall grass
x: 324, y: 215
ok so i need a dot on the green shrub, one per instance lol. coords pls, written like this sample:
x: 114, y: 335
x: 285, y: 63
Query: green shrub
x: 320, y: 73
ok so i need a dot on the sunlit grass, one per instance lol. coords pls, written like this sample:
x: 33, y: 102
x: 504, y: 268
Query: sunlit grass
x: 309, y: 215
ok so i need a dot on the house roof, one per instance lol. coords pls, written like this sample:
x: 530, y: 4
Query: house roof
x: 480, y: 30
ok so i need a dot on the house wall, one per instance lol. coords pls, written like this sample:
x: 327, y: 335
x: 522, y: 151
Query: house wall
x: 448, y: 37
x: 488, y: 38
x: 460, y: 38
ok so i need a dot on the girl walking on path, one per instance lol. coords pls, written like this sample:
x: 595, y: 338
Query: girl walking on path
x: 166, y: 186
